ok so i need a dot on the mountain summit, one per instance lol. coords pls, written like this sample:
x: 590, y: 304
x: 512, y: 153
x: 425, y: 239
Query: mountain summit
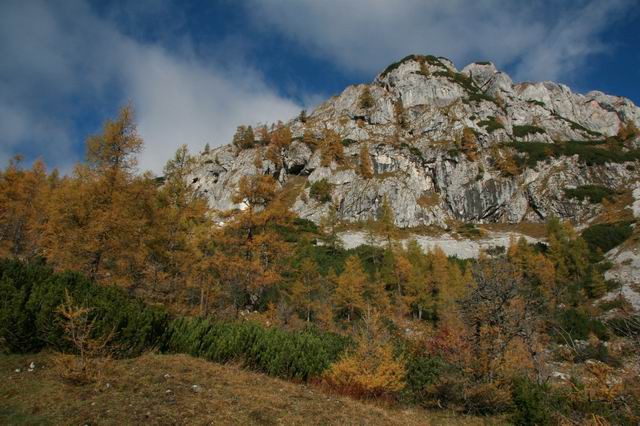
x: 440, y: 145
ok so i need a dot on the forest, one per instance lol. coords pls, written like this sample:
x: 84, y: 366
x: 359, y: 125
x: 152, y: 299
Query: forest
x: 108, y: 259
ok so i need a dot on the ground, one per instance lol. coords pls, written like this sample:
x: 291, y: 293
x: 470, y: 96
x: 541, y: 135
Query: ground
x: 159, y: 389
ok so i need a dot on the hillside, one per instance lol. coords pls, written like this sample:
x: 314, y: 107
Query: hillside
x: 159, y: 389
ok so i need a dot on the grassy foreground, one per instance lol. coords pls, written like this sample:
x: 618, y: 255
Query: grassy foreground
x: 159, y: 389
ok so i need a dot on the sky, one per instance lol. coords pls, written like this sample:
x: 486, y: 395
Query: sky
x: 195, y: 70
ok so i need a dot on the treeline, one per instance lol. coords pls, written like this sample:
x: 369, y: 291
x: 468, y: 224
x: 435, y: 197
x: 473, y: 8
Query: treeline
x: 438, y: 331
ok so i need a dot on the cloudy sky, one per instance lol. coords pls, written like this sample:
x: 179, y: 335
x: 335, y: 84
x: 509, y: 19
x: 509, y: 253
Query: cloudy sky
x: 195, y: 70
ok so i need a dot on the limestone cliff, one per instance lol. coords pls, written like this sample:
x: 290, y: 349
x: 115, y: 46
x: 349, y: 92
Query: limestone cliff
x: 447, y: 145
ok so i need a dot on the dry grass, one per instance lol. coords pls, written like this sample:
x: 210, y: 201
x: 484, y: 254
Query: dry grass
x: 531, y: 229
x: 157, y: 389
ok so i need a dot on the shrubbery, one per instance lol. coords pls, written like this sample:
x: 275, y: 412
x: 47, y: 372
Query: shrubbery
x: 491, y: 124
x: 594, y: 193
x: 321, y: 190
x: 30, y: 296
x: 299, y: 355
x: 579, y: 325
x: 589, y: 152
x: 527, y: 129
x: 605, y: 236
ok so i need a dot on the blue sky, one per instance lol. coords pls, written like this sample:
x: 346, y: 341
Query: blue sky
x: 195, y: 70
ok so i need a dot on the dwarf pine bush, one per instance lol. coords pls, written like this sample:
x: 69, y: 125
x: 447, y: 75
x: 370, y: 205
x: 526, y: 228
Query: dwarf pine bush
x: 298, y: 355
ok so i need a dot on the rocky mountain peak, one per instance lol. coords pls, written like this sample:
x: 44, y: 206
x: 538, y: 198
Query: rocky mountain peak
x: 444, y: 145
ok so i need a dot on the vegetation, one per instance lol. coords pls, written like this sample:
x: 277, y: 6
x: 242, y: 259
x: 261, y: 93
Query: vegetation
x: 244, y: 137
x: 279, y: 295
x: 589, y: 152
x: 527, y: 129
x: 603, y: 237
x: 366, y: 167
x: 491, y: 124
x: 593, y: 193
x: 365, y: 100
x: 31, y: 316
x: 321, y: 190
x: 293, y: 355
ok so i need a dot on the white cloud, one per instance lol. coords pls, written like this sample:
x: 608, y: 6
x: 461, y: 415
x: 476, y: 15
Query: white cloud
x: 70, y: 59
x: 540, y: 40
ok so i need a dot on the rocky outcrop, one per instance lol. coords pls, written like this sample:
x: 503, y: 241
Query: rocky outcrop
x: 413, y: 126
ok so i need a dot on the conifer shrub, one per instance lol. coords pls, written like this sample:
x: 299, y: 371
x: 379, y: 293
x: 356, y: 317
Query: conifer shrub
x: 291, y: 355
x: 424, y: 380
x: 593, y: 193
x: 321, y: 190
x: 589, y: 152
x: 491, y: 124
x: 579, y: 325
x: 605, y: 236
x: 31, y: 295
x: 527, y: 129
x: 533, y: 403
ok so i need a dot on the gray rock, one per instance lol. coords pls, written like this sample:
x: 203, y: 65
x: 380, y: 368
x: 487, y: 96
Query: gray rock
x: 419, y: 167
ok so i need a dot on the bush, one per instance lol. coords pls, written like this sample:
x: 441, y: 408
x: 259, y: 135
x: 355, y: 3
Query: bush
x: 491, y: 124
x: 580, y: 325
x: 297, y: 355
x: 605, y: 236
x: 487, y: 398
x: 29, y: 317
x: 532, y: 403
x: 589, y: 152
x: 594, y: 193
x: 424, y: 374
x: 527, y: 129
x: 321, y: 190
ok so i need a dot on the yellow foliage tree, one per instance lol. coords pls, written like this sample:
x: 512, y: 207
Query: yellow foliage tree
x: 366, y: 167
x: 371, y: 369
x: 348, y: 297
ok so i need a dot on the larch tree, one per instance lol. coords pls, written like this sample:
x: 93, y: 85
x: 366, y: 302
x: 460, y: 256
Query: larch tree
x: 366, y: 167
x: 365, y: 101
x: 348, y: 297
x: 306, y: 289
x: 469, y: 144
x: 331, y: 148
x: 97, y: 223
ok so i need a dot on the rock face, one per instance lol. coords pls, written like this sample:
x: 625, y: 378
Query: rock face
x: 440, y: 143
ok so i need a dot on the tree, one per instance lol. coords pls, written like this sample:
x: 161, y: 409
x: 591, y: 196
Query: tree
x: 365, y: 101
x: 331, y: 148
x: 371, y: 369
x: 385, y: 224
x: 350, y: 287
x: 469, y: 144
x: 329, y: 228
x: 400, y: 113
x: 569, y: 254
x: 24, y: 195
x: 306, y: 289
x: 244, y: 137
x: 177, y: 220
x: 279, y: 141
x: 497, y: 312
x: 366, y: 168
x: 97, y: 220
x: 114, y: 150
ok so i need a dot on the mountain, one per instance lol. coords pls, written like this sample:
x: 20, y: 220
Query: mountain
x: 444, y: 146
